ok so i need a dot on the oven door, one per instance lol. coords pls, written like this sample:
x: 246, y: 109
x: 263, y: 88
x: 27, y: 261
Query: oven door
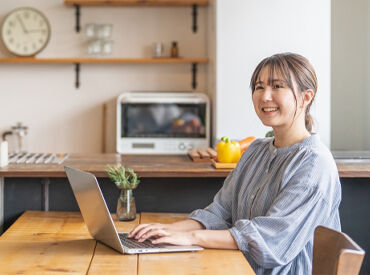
x: 162, y: 127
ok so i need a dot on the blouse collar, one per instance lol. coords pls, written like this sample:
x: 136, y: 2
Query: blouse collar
x: 307, y: 142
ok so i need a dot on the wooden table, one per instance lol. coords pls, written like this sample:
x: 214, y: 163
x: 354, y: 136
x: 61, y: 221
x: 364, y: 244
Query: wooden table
x: 55, y: 242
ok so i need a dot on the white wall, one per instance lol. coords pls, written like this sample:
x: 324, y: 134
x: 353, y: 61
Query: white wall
x: 350, y: 74
x: 248, y: 31
x: 63, y: 119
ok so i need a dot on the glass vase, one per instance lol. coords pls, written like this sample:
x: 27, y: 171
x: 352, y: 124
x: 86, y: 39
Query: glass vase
x: 126, y: 207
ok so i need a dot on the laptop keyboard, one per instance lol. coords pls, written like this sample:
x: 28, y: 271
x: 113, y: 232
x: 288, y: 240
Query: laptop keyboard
x: 133, y: 243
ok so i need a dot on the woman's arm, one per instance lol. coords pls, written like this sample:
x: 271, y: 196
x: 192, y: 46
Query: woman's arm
x: 221, y: 239
x: 184, y: 225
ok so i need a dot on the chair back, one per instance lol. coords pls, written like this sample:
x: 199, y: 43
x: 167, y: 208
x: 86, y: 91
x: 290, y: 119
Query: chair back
x: 335, y: 253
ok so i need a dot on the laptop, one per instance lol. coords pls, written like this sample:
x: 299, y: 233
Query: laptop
x: 99, y: 222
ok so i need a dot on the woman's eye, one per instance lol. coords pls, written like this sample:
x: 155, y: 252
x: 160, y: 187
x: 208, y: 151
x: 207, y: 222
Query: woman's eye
x: 258, y: 88
x: 277, y: 86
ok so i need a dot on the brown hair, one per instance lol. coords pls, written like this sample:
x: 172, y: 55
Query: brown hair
x: 287, y: 65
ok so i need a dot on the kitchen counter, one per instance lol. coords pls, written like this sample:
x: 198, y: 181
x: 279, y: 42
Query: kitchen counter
x: 168, y: 183
x: 147, y: 166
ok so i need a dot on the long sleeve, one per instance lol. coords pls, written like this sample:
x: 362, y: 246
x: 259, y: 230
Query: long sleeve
x: 217, y: 215
x: 278, y: 237
x: 272, y: 202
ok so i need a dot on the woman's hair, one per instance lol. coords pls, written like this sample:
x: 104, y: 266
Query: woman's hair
x: 286, y: 65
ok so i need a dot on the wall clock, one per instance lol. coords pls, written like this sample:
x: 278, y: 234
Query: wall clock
x: 25, y: 31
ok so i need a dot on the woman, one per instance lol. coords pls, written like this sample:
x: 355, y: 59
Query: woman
x: 281, y: 189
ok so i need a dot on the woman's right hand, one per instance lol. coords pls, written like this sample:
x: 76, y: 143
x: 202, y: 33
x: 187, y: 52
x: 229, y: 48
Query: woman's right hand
x: 142, y: 229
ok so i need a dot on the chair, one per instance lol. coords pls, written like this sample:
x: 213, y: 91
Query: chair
x: 335, y: 253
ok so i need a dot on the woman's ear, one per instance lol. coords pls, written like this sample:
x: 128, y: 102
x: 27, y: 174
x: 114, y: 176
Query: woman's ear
x: 308, y: 96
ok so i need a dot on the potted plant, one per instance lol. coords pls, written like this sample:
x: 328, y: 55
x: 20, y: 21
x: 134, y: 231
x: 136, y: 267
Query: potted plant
x: 126, y: 180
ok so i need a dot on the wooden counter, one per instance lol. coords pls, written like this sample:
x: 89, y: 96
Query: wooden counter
x: 147, y: 166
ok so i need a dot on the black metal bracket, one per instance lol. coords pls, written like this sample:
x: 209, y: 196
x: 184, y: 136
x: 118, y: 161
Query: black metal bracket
x: 77, y: 7
x: 77, y: 69
x: 195, y: 14
x: 194, y: 79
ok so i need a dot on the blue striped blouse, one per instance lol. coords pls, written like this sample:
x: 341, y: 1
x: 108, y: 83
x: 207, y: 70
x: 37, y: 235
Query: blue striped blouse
x: 273, y: 200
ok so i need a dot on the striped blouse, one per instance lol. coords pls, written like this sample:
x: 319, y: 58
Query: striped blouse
x: 273, y: 200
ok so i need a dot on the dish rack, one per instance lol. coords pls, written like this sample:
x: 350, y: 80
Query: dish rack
x: 37, y: 158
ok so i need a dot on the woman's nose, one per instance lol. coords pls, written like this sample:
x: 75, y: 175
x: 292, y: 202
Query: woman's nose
x: 266, y: 95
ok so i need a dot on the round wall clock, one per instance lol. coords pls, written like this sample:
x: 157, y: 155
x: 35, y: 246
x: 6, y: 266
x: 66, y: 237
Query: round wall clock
x: 25, y: 31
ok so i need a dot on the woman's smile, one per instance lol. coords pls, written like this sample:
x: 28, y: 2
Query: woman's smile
x: 269, y: 109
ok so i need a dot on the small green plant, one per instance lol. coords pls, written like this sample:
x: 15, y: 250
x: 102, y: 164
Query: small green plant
x: 122, y: 177
x: 270, y: 134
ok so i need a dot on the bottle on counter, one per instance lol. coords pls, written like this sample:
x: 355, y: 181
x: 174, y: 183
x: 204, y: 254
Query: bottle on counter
x: 174, y: 49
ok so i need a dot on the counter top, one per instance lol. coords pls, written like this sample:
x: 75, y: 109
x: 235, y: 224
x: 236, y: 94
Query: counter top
x: 147, y: 166
x: 144, y: 165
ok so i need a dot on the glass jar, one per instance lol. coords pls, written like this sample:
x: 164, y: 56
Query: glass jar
x: 126, y: 206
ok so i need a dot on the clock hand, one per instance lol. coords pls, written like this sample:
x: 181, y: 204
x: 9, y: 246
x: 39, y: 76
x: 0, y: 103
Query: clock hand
x: 22, y: 24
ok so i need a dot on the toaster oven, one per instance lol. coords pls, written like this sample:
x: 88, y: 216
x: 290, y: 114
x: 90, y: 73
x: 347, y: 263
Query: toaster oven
x: 161, y: 122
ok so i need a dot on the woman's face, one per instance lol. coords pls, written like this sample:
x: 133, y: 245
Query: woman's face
x: 275, y: 105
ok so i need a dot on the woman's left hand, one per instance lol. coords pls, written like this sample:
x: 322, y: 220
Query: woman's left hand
x: 160, y: 236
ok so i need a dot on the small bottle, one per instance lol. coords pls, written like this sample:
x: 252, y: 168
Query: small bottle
x: 174, y: 49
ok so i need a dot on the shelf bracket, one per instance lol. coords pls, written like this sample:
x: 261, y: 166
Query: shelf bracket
x: 77, y: 7
x: 195, y: 14
x: 194, y: 71
x: 77, y: 70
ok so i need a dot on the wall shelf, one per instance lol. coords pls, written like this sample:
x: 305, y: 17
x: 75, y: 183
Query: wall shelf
x: 136, y: 2
x: 78, y: 61
x: 129, y: 3
x: 103, y: 60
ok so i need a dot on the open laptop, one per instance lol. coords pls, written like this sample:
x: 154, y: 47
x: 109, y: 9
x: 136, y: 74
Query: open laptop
x: 99, y: 221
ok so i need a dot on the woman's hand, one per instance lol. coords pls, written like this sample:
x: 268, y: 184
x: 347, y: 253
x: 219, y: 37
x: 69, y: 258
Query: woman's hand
x: 161, y: 233
x: 142, y: 229
x: 173, y: 237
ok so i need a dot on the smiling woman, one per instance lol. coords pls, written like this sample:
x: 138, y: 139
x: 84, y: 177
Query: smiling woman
x: 282, y: 188
x: 278, y: 82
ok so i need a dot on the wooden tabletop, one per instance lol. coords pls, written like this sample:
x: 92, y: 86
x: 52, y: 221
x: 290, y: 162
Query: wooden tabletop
x: 54, y: 242
x: 146, y: 166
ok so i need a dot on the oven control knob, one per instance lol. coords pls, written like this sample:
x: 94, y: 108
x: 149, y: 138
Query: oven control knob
x: 182, y: 146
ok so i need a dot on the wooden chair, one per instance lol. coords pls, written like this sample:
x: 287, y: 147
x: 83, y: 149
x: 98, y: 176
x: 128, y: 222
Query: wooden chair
x: 335, y: 253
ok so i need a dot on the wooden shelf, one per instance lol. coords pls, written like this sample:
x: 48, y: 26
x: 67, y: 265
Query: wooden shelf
x: 136, y: 2
x: 78, y: 61
x: 105, y: 60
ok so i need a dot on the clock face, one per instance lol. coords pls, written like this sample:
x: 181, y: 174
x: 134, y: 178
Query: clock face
x: 25, y: 31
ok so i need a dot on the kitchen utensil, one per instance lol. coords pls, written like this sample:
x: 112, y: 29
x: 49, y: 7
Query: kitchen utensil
x: 17, y: 142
